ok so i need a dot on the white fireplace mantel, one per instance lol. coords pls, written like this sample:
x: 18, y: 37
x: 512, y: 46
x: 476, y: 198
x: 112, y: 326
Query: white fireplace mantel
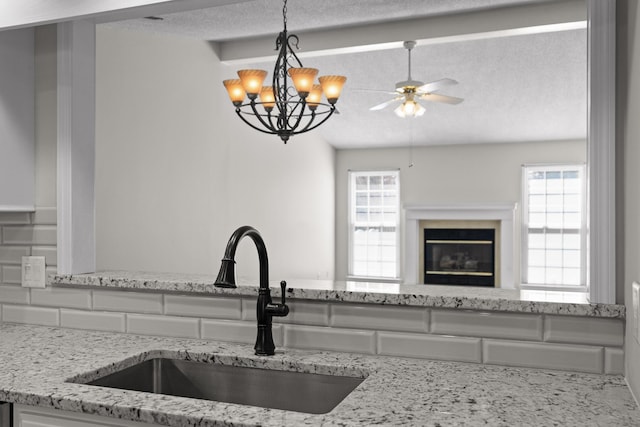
x: 503, y: 212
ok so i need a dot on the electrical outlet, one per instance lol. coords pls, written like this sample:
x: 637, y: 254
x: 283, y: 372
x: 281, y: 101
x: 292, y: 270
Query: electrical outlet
x: 33, y: 272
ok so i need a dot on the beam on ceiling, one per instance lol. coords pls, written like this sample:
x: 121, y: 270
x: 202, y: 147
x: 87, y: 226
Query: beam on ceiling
x: 28, y: 13
x: 500, y: 22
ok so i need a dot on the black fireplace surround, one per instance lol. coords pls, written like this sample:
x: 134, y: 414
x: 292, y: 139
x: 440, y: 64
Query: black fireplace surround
x: 459, y: 256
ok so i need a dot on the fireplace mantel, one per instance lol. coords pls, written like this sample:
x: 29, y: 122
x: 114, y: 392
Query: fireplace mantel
x: 503, y: 212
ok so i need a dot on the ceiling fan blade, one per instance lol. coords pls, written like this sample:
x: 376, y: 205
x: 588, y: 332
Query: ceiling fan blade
x: 375, y: 91
x: 436, y: 85
x: 386, y: 104
x: 436, y: 97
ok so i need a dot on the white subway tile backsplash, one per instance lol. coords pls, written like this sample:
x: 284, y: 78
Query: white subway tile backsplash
x: 13, y: 254
x: 14, y: 294
x: 93, y: 320
x: 460, y: 349
x: 131, y: 302
x: 305, y: 313
x: 163, y: 325
x: 32, y: 315
x: 199, y: 306
x: 300, y: 312
x: 50, y: 253
x: 236, y: 331
x: 45, y: 216
x: 15, y: 218
x: 380, y: 317
x: 29, y: 235
x: 62, y: 297
x: 569, y: 357
x: 486, y: 324
x: 249, y: 309
x: 12, y: 274
x: 333, y: 339
x: 584, y: 330
x: 613, y: 361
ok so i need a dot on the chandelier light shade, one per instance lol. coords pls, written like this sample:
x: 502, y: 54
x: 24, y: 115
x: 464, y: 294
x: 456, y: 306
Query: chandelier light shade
x: 293, y: 103
x: 315, y: 97
x: 267, y: 98
x: 235, y: 90
x: 332, y: 86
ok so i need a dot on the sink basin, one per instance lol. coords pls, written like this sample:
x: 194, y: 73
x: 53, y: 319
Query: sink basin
x: 266, y: 388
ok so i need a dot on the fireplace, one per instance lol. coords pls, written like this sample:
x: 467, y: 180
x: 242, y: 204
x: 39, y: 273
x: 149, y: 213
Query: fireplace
x: 460, y: 256
x: 500, y: 216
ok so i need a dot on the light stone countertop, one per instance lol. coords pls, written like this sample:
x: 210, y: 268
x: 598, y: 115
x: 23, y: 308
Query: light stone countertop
x: 435, y: 296
x: 35, y: 361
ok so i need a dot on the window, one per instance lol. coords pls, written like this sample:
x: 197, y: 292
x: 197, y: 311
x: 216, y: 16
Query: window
x: 554, y: 224
x: 374, y: 205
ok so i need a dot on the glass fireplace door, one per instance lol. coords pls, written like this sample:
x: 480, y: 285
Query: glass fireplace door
x: 459, y: 256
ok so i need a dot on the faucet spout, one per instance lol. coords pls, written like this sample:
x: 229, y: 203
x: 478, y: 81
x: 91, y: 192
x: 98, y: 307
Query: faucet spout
x: 227, y: 274
x: 265, y: 309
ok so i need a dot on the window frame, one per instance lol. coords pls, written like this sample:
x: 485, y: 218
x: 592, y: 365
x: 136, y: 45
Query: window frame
x: 583, y: 230
x: 351, y: 204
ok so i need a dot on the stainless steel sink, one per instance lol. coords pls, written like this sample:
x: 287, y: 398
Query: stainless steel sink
x: 266, y: 388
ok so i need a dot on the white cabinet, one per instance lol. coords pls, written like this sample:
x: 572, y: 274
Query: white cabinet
x: 17, y: 120
x: 32, y: 416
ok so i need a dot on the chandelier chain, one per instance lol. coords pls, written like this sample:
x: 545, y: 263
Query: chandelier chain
x: 284, y: 14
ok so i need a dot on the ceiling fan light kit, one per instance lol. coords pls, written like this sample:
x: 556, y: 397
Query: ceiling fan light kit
x: 281, y: 109
x: 409, y: 91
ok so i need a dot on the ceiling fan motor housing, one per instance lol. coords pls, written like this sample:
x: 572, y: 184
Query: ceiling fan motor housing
x: 408, y: 85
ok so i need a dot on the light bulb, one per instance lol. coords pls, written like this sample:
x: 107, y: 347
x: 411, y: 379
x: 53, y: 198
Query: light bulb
x: 409, y: 108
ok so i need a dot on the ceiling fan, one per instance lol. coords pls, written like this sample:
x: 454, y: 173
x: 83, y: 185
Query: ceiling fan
x: 408, y: 93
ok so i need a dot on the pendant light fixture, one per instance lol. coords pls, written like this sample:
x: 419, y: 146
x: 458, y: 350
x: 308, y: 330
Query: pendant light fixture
x: 282, y: 109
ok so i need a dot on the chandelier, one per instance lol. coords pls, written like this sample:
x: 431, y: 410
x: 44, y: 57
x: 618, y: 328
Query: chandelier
x: 281, y: 109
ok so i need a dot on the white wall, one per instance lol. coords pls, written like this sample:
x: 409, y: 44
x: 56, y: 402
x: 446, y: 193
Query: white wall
x: 17, y: 118
x: 628, y: 135
x: 46, y: 86
x: 177, y: 172
x: 449, y: 174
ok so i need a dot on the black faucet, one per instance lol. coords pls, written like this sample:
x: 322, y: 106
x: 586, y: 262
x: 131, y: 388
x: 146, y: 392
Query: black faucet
x: 265, y: 309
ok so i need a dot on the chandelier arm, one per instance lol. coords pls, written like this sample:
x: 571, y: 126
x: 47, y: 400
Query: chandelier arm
x: 311, y: 119
x: 308, y: 128
x: 259, y: 116
x: 270, y: 117
x: 270, y: 131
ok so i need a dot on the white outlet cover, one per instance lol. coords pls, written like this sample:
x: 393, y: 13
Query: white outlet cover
x: 636, y: 310
x: 33, y: 271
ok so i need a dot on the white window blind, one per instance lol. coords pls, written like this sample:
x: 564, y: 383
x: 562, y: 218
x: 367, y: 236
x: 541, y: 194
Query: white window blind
x: 374, y: 204
x: 554, y: 224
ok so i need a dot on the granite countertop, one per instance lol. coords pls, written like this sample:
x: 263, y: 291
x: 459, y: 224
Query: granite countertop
x: 36, y: 361
x: 436, y: 296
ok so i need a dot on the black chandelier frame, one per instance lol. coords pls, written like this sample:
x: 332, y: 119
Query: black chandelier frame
x: 291, y: 114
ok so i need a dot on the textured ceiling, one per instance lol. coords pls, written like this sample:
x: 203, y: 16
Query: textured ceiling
x: 516, y: 88
x: 263, y: 17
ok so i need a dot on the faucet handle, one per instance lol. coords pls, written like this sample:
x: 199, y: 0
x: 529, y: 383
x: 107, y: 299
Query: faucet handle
x: 283, y: 288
